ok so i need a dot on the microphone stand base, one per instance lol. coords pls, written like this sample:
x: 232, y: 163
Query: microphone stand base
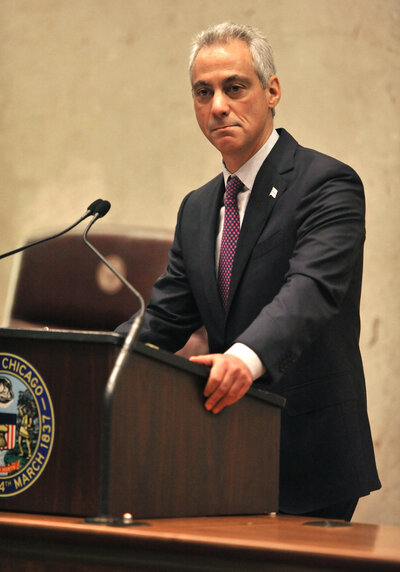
x: 113, y: 521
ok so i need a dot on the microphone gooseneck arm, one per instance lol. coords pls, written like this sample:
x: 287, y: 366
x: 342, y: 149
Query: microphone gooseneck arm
x: 90, y: 211
x: 126, y: 349
x: 130, y: 338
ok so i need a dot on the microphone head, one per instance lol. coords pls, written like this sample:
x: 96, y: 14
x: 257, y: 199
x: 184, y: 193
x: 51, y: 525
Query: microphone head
x: 102, y: 208
x: 92, y: 207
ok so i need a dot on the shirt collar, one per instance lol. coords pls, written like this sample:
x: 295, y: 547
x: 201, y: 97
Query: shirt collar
x: 248, y: 172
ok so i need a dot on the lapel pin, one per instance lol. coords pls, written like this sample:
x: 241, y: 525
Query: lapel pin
x: 273, y: 193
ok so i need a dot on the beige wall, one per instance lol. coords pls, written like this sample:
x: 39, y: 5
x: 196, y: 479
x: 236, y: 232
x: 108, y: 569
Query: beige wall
x: 95, y: 101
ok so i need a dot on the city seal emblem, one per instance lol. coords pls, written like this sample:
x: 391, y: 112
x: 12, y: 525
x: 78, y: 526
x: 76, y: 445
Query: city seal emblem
x: 26, y: 425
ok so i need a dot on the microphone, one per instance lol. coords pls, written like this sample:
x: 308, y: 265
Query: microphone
x: 93, y: 209
x: 100, y: 210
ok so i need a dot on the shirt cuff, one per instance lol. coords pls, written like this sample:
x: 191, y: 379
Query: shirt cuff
x: 249, y: 357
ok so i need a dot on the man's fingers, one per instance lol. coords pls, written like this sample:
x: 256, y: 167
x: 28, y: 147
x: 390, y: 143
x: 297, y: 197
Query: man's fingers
x: 229, y: 380
x: 226, y: 394
x: 204, y: 359
x: 216, y: 377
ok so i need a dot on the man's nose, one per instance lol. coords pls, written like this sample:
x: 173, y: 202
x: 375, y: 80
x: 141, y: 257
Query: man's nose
x: 220, y: 104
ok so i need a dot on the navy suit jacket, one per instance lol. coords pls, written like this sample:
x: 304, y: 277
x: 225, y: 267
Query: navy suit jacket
x: 294, y: 299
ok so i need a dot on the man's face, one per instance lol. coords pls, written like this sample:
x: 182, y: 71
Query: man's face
x: 232, y: 109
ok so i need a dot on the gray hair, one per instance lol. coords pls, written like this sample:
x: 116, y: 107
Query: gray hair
x: 258, y: 44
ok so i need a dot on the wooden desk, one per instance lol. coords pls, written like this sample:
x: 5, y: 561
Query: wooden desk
x: 247, y: 543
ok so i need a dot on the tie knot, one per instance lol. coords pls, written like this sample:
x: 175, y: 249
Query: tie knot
x: 233, y: 187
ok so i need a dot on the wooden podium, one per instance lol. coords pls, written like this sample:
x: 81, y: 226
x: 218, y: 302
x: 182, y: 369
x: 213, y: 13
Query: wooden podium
x: 169, y: 457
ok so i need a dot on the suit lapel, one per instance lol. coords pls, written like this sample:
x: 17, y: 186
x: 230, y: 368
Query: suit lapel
x: 268, y: 188
x: 209, y: 224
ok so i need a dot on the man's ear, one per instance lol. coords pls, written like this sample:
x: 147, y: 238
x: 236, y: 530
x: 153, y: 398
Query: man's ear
x: 273, y: 91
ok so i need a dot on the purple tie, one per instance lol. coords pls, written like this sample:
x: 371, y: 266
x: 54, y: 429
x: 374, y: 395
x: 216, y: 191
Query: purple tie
x: 230, y: 235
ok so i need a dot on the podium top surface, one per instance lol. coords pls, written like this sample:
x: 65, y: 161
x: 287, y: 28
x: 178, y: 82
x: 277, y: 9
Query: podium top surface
x: 114, y: 339
x: 256, y: 543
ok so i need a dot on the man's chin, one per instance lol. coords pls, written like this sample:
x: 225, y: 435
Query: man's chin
x: 225, y: 140
x: 226, y: 147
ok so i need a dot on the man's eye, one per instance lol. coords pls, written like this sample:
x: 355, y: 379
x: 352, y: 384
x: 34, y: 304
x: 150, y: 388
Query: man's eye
x: 235, y: 89
x: 202, y: 93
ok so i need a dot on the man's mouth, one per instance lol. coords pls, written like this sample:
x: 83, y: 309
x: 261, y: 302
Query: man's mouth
x: 222, y: 127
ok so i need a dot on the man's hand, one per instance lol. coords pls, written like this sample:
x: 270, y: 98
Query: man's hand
x: 229, y: 380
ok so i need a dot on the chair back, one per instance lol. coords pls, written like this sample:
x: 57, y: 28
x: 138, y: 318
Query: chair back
x: 62, y: 284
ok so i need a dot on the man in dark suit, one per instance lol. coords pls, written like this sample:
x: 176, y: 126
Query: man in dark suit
x: 274, y: 275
